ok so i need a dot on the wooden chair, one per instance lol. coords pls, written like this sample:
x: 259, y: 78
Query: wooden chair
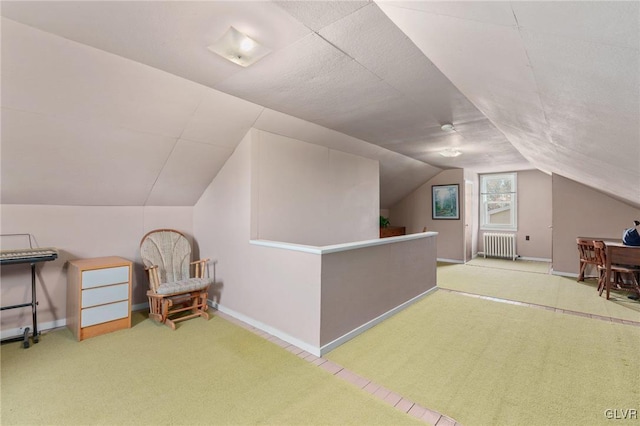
x: 612, y: 276
x: 166, y: 255
x: 587, y: 256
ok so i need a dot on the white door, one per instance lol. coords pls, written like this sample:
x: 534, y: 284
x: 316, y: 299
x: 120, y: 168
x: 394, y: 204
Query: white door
x: 468, y: 220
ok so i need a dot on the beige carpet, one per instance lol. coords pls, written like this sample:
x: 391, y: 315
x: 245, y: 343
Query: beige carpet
x: 488, y: 363
x: 206, y: 372
x: 478, y: 361
x: 541, y: 289
x: 513, y: 265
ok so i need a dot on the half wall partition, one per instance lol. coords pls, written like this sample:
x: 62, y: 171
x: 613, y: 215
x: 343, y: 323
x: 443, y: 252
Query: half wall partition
x: 324, y: 296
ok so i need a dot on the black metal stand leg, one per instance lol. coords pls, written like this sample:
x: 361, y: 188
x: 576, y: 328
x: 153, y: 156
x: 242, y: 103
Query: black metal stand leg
x: 25, y: 338
x: 34, y: 303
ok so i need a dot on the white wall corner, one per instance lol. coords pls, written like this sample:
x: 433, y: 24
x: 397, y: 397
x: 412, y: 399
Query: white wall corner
x: 314, y: 350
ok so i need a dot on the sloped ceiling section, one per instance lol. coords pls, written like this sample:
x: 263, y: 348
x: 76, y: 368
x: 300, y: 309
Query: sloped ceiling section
x: 125, y: 90
x: 84, y: 127
x: 357, y: 73
x: 81, y: 126
x: 341, y: 65
x: 560, y: 79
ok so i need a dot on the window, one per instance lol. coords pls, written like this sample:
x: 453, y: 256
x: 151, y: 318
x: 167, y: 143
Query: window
x: 498, y: 201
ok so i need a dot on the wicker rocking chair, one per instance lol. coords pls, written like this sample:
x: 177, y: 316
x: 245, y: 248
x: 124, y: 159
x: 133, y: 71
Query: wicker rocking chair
x: 166, y: 255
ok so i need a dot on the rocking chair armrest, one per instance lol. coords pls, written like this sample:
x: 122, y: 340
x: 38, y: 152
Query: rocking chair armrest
x: 200, y: 265
x: 154, y: 278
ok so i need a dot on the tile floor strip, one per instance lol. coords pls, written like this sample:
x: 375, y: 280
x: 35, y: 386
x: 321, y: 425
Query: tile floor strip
x: 404, y: 405
x: 400, y: 403
x: 395, y: 400
x: 417, y: 411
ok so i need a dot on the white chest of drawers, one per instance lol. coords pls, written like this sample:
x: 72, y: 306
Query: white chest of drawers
x: 98, y: 296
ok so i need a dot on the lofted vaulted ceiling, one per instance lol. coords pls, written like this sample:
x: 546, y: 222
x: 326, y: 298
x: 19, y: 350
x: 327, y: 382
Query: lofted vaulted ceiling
x: 121, y: 103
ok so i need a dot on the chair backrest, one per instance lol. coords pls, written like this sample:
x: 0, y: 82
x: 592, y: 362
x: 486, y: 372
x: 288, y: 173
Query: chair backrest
x: 586, y: 250
x: 600, y: 253
x: 170, y: 250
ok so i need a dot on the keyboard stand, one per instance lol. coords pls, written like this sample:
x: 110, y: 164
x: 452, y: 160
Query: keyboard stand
x: 34, y: 311
x: 32, y: 258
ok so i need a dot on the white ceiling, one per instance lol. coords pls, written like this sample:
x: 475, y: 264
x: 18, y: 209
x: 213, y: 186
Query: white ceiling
x: 551, y: 85
x: 561, y: 80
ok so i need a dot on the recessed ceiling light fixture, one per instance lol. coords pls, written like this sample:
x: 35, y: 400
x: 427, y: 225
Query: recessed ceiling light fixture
x: 447, y: 127
x: 239, y: 48
x: 450, y: 152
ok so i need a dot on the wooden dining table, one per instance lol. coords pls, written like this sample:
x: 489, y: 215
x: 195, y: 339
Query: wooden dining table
x: 620, y: 254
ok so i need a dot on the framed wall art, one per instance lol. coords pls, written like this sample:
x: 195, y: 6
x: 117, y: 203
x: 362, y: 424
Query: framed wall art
x: 445, y: 201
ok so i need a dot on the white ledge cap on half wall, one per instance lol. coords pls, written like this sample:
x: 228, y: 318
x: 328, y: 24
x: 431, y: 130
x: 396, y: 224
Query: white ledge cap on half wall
x: 341, y: 247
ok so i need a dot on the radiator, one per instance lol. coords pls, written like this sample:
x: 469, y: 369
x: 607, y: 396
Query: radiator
x: 500, y: 245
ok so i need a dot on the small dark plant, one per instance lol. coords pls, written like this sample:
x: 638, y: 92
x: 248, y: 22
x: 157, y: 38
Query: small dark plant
x: 384, y: 222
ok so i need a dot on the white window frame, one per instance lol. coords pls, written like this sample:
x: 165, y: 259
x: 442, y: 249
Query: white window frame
x: 513, y: 225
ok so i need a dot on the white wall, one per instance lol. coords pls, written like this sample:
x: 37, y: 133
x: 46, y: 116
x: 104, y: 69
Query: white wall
x: 265, y: 286
x: 534, y: 216
x: 281, y: 189
x: 580, y: 211
x: 414, y: 212
x: 310, y: 194
x: 77, y: 232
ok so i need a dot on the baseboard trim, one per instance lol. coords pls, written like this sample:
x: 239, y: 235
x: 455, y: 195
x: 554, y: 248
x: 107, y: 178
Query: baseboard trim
x: 42, y: 326
x: 364, y: 327
x: 499, y: 257
x: 449, y: 260
x: 315, y: 350
x: 140, y: 307
x: 564, y: 274
x: 535, y: 259
x: 50, y: 325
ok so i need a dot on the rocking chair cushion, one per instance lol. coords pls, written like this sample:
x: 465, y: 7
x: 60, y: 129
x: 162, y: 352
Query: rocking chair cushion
x: 182, y: 286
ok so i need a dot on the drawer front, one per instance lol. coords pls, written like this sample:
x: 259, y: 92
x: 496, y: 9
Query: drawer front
x: 100, y: 277
x: 104, y: 313
x: 104, y: 295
